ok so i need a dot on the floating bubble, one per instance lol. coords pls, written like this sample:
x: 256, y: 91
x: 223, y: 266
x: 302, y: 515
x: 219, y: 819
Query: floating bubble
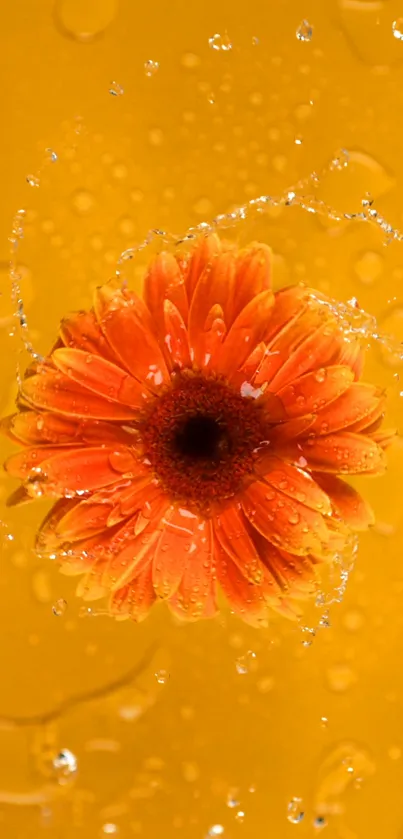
x: 295, y: 812
x: 151, y: 67
x: 65, y: 765
x: 59, y: 607
x: 220, y: 42
x: 304, y: 31
x: 116, y: 89
x: 162, y: 677
x: 244, y: 662
x: 33, y: 180
x: 397, y: 28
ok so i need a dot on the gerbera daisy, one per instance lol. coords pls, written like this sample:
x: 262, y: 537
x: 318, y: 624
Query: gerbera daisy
x: 194, y: 436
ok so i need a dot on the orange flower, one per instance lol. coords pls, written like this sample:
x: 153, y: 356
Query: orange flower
x: 193, y: 438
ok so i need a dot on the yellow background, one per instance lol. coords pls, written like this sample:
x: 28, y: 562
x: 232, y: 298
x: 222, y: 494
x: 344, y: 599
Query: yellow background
x: 166, y: 755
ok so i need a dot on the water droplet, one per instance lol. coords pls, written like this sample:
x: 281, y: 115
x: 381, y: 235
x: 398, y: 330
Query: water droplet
x: 220, y: 42
x: 240, y: 816
x: 244, y: 662
x: 232, y: 799
x: 340, y: 677
x: 51, y: 155
x: 151, y: 67
x: 65, y: 765
x: 84, y: 20
x: 83, y: 202
x: 255, y: 41
x: 109, y: 829
x: 319, y: 822
x: 215, y: 830
x: 59, y: 607
x: 304, y: 31
x: 32, y: 180
x: 324, y: 722
x: 162, y: 676
x: 295, y: 812
x: 116, y: 89
x: 369, y: 267
x: 397, y: 28
x: 298, y: 140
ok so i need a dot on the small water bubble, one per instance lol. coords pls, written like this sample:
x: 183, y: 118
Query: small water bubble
x: 65, y: 765
x: 116, y: 89
x: 162, y: 677
x: 240, y: 816
x: 324, y: 722
x: 232, y: 799
x: 244, y: 662
x: 304, y: 31
x: 51, y: 155
x: 59, y: 607
x: 298, y: 140
x: 295, y: 812
x: 151, y: 67
x: 397, y: 28
x: 33, y: 180
x: 220, y: 42
x: 215, y: 830
x: 319, y: 822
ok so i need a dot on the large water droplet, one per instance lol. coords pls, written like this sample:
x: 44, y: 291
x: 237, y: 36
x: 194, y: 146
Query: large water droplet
x: 295, y: 810
x: 84, y: 20
x: 65, y: 765
x: 244, y: 663
x: 397, y: 28
x: 59, y: 607
x: 304, y: 31
x: 220, y: 42
x: 151, y: 67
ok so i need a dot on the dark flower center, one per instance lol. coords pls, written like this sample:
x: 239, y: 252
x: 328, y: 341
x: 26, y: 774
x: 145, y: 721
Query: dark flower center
x: 200, y: 438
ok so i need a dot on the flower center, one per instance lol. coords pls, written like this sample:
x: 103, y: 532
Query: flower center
x: 200, y: 438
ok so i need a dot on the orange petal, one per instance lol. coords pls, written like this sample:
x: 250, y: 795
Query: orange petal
x: 313, y: 391
x: 206, y: 250
x: 352, y: 508
x: 231, y: 530
x: 196, y: 595
x: 353, y: 406
x: 249, y: 369
x: 290, y: 429
x: 293, y: 482
x: 252, y: 274
x: 164, y: 281
x: 135, y: 555
x: 345, y: 452
x: 56, y: 392
x: 81, y: 331
x: 246, y: 599
x: 289, y: 304
x: 215, y: 287
x: 245, y: 333
x: 384, y: 437
x: 314, y: 352
x: 352, y: 354
x: 35, y: 428
x: 293, y: 575
x: 135, y: 599
x: 28, y: 462
x: 126, y: 324
x: 209, y: 341
x: 176, y: 546
x: 80, y: 470
x: 101, y: 376
x: 284, y: 521
x: 285, y: 341
x: 175, y: 338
